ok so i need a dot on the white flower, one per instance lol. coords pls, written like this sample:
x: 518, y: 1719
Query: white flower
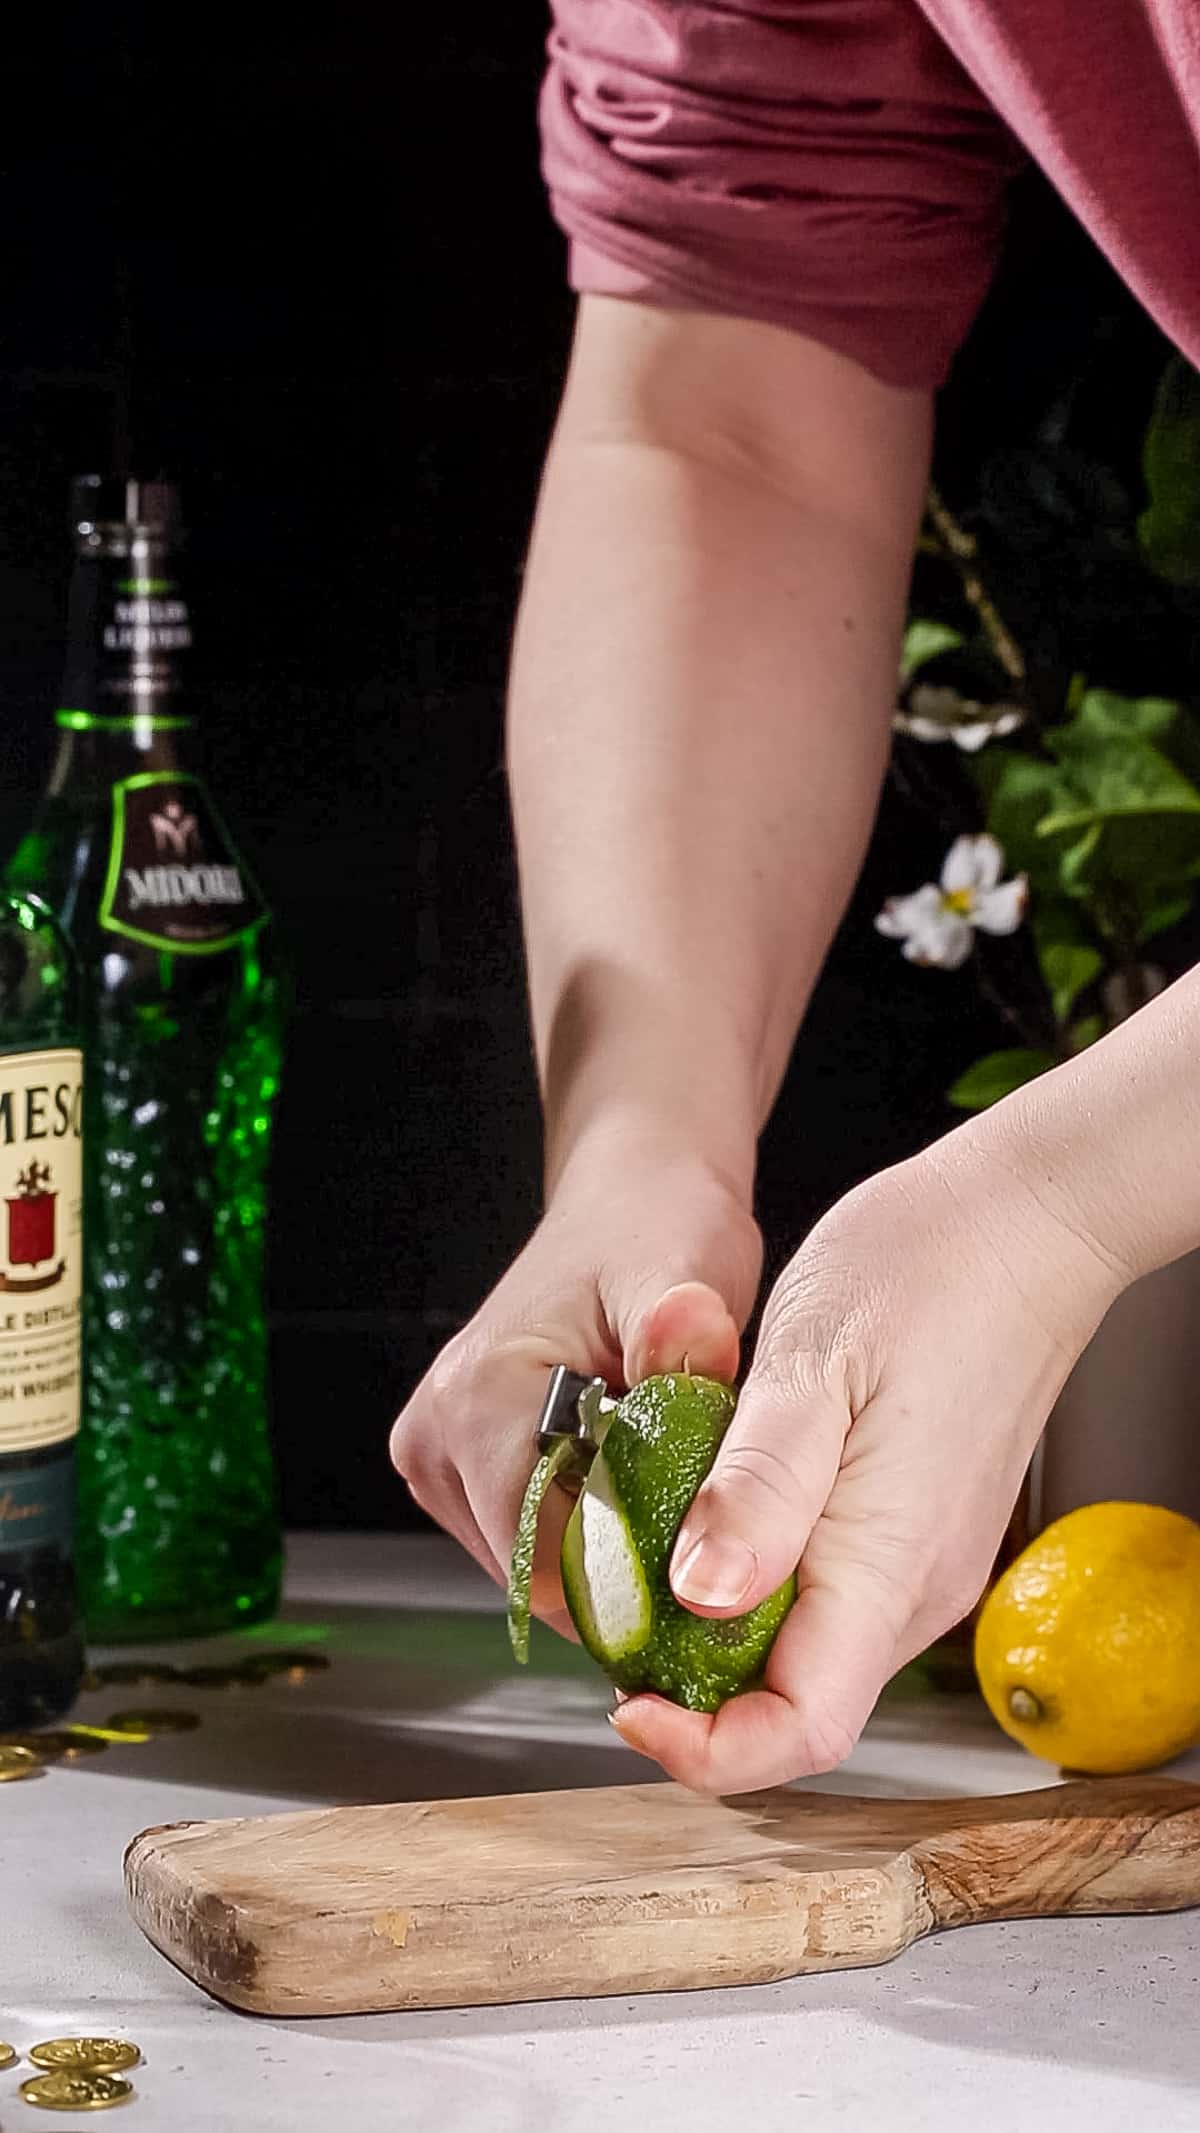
x: 937, y: 924
x: 940, y: 714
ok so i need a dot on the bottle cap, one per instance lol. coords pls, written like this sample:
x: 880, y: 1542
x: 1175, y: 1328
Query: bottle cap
x: 118, y: 500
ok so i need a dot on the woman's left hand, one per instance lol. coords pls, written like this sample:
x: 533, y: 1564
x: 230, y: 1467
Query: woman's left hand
x: 909, y: 1358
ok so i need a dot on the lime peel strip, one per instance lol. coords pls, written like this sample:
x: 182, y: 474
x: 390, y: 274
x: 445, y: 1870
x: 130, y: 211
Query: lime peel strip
x: 520, y: 1574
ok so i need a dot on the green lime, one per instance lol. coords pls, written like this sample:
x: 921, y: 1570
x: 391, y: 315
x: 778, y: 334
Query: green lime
x: 616, y: 1553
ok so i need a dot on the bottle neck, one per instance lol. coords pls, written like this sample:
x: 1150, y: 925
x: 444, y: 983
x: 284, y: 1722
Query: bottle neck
x: 128, y: 635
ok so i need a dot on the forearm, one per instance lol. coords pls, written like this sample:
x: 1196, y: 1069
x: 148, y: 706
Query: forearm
x: 1111, y: 1141
x: 701, y: 695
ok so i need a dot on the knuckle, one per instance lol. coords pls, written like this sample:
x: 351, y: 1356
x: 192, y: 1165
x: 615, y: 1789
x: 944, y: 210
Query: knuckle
x: 813, y: 1376
x: 418, y: 1468
x: 421, y: 1432
x: 705, y: 1776
x: 402, y: 1442
x: 798, y: 1364
x: 818, y: 1337
x: 705, y: 1770
x: 828, y: 1740
x: 422, y: 1492
x: 758, y: 1474
x: 449, y: 1399
x: 446, y: 1383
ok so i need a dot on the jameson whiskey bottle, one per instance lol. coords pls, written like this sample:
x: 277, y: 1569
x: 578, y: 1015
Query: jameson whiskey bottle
x: 41, y: 1186
x: 177, y: 1528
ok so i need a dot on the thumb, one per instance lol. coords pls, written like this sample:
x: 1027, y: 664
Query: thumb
x: 750, y: 1522
x: 689, y: 1328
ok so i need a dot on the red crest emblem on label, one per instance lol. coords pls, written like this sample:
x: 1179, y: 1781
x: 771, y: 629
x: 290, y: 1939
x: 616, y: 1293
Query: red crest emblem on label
x: 32, y: 1222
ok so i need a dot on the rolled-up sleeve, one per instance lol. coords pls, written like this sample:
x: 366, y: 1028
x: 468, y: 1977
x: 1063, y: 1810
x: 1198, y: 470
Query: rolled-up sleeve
x: 823, y: 165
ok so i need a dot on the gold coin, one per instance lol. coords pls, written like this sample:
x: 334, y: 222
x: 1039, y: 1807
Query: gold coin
x: 42, y: 1745
x: 66, y: 2091
x: 19, y: 1761
x: 56, y: 1744
x: 8, y: 2055
x: 215, y: 1677
x: 135, y: 1673
x: 144, y: 1723
x: 286, y: 1663
x: 86, y: 2055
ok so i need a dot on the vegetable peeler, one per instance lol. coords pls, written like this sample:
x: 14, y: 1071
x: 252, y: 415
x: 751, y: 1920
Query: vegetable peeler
x: 578, y: 1408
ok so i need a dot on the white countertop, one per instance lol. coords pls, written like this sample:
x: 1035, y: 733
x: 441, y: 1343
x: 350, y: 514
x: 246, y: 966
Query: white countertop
x: 1088, y: 2023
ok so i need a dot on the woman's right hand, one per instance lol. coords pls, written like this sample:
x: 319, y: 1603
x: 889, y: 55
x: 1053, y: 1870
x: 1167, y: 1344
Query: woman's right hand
x: 645, y: 1258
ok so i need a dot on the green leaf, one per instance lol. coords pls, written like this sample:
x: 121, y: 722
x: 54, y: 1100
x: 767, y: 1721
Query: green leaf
x: 996, y: 1076
x: 1169, y: 528
x: 1112, y: 776
x: 1085, y: 1032
x: 1146, y: 811
x: 1067, y: 968
x: 1167, y: 913
x: 1076, y: 863
x: 1023, y: 791
x: 923, y: 641
x: 1144, y: 860
x: 1107, y: 716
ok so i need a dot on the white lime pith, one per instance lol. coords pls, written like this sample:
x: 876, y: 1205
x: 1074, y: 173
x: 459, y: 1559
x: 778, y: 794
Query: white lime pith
x: 603, y: 1578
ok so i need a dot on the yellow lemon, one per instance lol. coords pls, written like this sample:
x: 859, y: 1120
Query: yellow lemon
x: 1088, y: 1648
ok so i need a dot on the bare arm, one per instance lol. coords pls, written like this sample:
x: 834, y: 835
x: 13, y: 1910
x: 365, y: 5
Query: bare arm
x: 702, y: 685
x: 1110, y: 1143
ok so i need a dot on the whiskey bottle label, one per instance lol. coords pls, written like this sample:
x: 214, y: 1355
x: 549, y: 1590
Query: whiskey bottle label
x: 174, y: 878
x: 41, y: 1223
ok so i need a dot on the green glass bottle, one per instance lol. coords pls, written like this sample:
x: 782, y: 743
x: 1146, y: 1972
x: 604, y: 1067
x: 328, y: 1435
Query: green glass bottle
x: 178, y: 1530
x: 41, y: 1262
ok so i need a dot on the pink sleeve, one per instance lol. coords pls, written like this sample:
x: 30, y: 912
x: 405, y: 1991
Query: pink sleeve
x: 820, y: 164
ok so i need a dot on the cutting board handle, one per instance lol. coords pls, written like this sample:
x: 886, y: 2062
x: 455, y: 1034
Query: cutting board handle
x: 1112, y: 1844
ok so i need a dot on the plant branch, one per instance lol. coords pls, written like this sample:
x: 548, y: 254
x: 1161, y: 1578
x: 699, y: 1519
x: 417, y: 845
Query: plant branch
x: 1024, y: 1027
x: 1114, y: 922
x: 962, y: 549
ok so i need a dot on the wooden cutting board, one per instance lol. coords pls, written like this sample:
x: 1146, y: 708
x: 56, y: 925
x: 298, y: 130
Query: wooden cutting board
x: 632, y: 1888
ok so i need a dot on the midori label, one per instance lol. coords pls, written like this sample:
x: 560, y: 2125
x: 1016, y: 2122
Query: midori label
x: 174, y: 878
x: 41, y: 1101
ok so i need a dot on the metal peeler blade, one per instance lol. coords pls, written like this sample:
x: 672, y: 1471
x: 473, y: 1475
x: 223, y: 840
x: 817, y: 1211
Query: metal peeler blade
x: 575, y: 1407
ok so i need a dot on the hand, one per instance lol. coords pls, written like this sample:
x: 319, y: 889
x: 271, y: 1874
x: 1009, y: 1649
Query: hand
x: 909, y: 1358
x: 645, y: 1258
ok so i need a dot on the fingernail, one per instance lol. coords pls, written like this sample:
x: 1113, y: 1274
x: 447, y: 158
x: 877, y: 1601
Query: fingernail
x: 620, y: 1695
x: 717, y: 1571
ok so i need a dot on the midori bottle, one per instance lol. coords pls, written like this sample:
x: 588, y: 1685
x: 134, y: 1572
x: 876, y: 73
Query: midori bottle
x: 41, y: 1647
x: 177, y: 1529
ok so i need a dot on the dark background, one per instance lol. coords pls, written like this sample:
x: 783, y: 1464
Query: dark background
x: 313, y: 277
